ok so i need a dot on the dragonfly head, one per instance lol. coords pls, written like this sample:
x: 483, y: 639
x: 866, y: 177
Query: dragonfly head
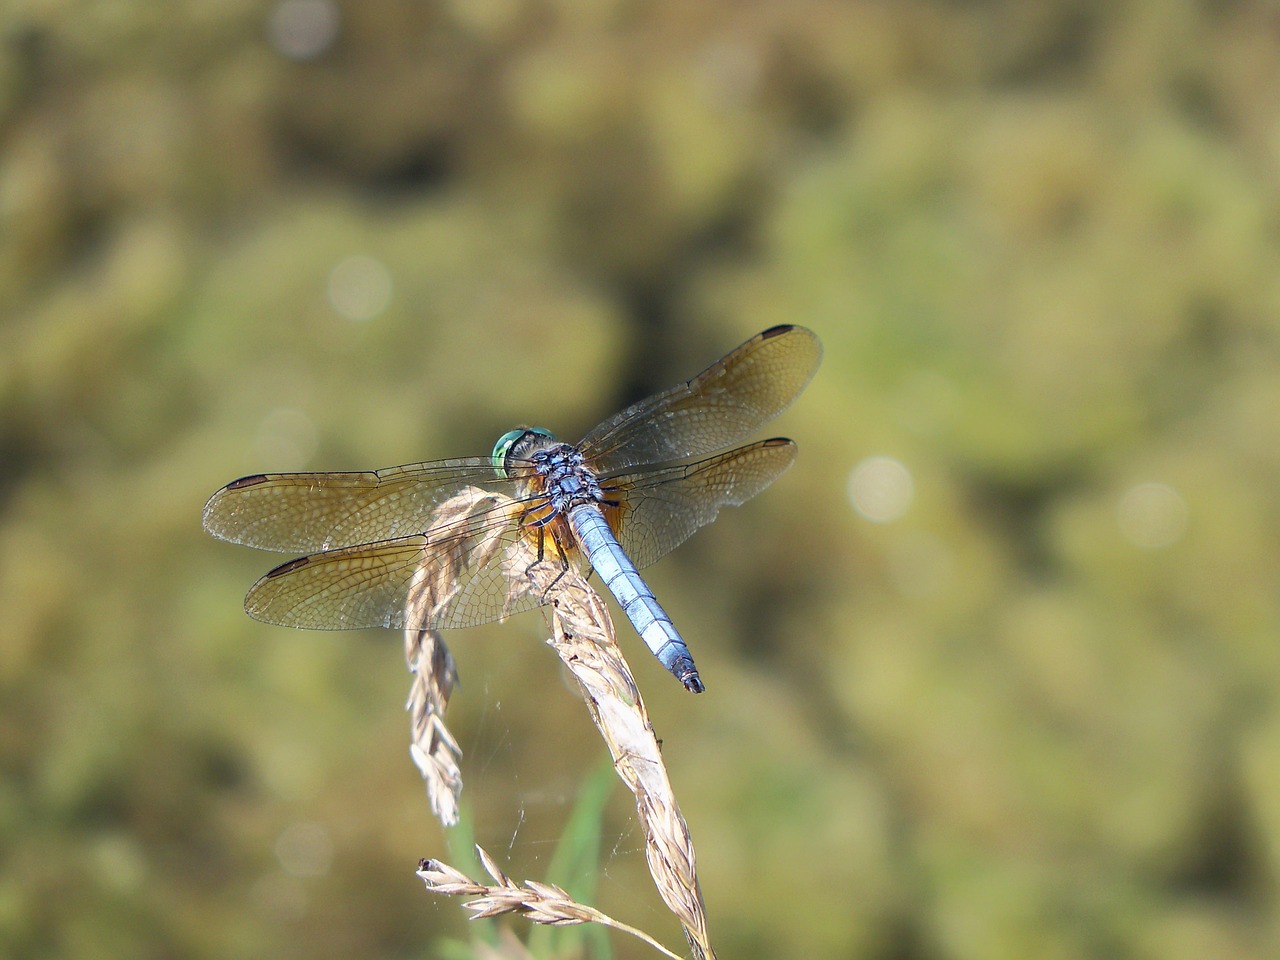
x: 518, y: 443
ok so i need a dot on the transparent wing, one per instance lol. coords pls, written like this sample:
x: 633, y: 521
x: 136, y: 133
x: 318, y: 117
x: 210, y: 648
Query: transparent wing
x: 382, y: 548
x: 718, y: 408
x: 303, y: 512
x: 459, y: 573
x: 662, y: 508
x: 469, y: 565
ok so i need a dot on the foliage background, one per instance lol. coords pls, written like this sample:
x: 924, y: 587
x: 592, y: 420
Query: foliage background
x: 1035, y: 715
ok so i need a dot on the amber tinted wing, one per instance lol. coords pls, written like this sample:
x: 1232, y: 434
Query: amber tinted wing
x: 718, y: 408
x: 303, y: 512
x: 466, y: 562
x: 662, y: 508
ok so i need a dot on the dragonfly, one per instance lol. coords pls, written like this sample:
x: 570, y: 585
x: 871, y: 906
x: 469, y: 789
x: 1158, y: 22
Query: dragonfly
x: 635, y: 488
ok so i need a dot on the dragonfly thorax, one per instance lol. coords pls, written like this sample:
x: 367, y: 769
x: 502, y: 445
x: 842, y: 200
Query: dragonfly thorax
x: 565, y: 480
x: 555, y: 471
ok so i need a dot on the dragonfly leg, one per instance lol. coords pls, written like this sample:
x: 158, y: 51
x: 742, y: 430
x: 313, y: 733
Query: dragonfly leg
x: 545, y: 533
x: 538, y: 515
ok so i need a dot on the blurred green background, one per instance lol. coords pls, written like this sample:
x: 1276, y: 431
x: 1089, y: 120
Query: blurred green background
x: 992, y: 672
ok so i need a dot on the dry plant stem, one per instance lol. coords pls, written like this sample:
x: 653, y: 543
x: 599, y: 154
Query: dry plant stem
x: 583, y: 636
x: 434, y: 750
x: 540, y: 902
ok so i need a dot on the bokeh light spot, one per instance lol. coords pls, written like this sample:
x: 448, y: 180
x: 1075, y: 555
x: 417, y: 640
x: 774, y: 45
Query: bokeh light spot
x: 360, y: 287
x: 303, y: 29
x: 304, y: 850
x: 881, y: 489
x: 1152, y: 515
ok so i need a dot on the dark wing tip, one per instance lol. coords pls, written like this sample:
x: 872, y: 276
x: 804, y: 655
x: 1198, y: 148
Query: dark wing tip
x: 213, y: 522
x: 783, y: 329
x: 804, y: 339
x: 284, y: 568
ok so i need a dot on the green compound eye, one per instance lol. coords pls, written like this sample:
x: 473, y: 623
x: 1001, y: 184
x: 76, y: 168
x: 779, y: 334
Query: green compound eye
x: 502, y: 449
